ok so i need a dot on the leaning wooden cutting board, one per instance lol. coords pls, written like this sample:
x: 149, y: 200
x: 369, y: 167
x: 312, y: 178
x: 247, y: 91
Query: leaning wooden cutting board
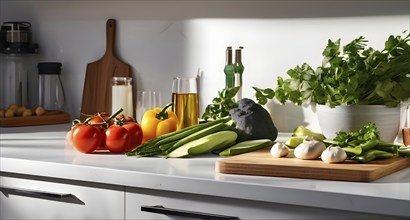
x: 261, y: 163
x: 97, y: 84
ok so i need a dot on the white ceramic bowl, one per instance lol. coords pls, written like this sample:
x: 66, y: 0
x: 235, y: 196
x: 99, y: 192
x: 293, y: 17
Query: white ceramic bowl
x: 350, y: 118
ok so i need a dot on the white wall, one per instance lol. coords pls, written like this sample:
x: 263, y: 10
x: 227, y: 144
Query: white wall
x: 162, y: 39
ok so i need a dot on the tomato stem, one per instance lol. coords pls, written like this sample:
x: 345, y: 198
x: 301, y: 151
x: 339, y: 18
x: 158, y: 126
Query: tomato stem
x: 76, y: 122
x: 111, y: 117
x: 115, y: 114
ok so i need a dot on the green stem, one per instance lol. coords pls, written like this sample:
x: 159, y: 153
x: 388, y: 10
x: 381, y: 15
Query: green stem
x: 76, y: 122
x: 371, y: 155
x: 162, y: 115
x: 369, y: 144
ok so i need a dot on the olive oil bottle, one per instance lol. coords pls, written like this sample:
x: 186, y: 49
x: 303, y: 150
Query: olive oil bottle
x: 239, y: 68
x: 229, y: 69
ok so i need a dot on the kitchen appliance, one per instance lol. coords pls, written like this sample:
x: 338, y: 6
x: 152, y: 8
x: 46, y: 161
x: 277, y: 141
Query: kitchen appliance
x: 15, y: 34
x: 51, y: 92
x: 97, y: 84
x: 14, y: 73
x: 15, y: 43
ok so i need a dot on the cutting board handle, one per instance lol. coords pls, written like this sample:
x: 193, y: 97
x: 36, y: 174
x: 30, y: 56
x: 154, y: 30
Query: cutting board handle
x: 110, y: 37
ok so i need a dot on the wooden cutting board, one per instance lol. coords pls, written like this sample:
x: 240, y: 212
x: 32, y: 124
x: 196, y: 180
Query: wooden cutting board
x: 50, y: 117
x: 97, y: 84
x: 261, y: 163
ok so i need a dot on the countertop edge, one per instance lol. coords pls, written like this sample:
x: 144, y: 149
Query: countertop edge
x: 223, y: 188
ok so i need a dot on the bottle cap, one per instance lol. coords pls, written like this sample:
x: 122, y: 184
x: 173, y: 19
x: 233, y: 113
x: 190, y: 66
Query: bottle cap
x: 49, y: 68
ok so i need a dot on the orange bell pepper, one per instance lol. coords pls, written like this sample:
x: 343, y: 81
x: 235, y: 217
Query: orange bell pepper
x: 157, y: 121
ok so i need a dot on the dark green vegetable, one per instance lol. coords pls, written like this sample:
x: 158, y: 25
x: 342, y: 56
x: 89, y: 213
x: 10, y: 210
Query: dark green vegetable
x: 369, y: 144
x: 190, y: 130
x: 365, y: 157
x: 152, y: 147
x: 253, y: 121
x: 371, y: 155
x: 246, y: 146
x: 389, y: 147
x: 218, y: 140
x: 165, y: 147
x: 199, y: 134
x: 356, y: 150
x: 205, y: 144
x: 147, y: 146
x: 404, y: 151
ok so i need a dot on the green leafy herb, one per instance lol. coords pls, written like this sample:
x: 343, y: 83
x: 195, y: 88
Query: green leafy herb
x: 353, y: 138
x: 263, y: 95
x: 357, y: 142
x: 220, y: 106
x: 351, y: 75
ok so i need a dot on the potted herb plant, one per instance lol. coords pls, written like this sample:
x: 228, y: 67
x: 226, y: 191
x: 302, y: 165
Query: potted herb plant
x: 354, y: 85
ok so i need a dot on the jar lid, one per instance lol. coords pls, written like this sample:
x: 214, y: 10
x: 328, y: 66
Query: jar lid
x: 49, y: 68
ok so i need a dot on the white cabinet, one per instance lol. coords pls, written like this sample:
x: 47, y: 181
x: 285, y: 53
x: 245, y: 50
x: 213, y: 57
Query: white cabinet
x: 29, y: 197
x: 32, y: 197
x: 156, y: 204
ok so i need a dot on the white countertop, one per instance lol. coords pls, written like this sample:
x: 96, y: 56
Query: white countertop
x: 42, y: 151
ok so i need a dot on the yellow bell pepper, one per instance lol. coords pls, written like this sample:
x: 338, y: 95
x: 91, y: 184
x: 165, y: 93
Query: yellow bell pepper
x: 158, y: 121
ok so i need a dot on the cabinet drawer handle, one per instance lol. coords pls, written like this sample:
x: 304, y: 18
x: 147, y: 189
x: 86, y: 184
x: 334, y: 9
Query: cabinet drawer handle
x: 183, y: 213
x: 34, y: 193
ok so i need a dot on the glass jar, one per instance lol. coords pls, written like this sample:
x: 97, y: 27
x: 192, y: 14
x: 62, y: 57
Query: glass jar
x: 51, y: 92
x: 122, y: 96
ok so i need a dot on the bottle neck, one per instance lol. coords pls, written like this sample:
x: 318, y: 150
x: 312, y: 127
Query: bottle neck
x: 238, y: 56
x: 228, y: 55
x: 239, y: 68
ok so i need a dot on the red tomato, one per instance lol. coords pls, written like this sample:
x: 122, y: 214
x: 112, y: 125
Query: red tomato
x: 122, y: 116
x: 135, y: 132
x: 117, y: 139
x: 86, y: 138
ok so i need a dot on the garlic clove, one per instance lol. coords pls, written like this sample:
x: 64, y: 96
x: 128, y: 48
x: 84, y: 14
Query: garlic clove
x: 333, y: 154
x: 279, y: 150
x: 309, y: 149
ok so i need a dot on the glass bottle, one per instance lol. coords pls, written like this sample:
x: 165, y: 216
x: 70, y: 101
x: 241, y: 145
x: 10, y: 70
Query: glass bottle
x: 229, y: 69
x: 51, y: 92
x: 239, y: 68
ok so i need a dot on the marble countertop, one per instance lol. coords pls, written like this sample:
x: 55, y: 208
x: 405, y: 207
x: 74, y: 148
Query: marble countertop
x: 43, y: 151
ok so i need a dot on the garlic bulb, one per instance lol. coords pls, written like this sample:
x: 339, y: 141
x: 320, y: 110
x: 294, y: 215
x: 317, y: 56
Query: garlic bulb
x: 279, y: 150
x: 333, y: 154
x: 309, y: 149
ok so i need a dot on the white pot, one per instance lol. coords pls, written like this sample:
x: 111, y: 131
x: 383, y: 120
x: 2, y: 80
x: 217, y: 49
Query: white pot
x: 354, y: 117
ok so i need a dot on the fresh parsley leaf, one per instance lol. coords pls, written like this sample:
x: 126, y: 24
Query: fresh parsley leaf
x: 263, y: 95
x: 220, y: 106
x: 350, y: 75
